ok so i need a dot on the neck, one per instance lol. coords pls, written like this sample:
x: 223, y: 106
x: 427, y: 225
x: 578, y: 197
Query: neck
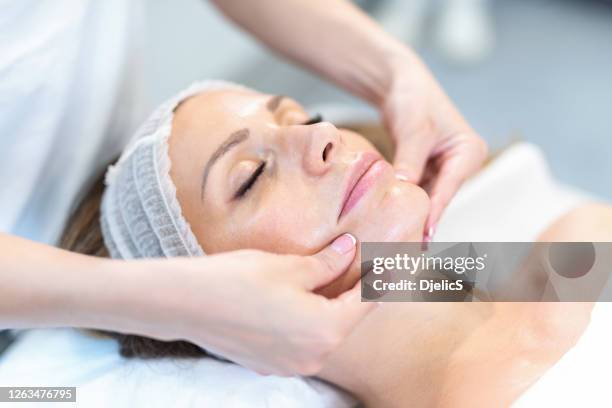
x: 398, y: 354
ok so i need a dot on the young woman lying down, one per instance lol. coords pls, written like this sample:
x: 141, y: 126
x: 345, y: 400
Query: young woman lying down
x: 255, y: 171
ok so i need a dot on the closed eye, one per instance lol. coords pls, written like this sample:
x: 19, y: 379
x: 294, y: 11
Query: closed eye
x: 248, y: 184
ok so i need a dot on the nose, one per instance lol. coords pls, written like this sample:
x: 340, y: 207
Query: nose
x: 320, y: 144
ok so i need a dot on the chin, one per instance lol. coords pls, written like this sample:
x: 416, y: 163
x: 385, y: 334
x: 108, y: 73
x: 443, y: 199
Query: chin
x: 399, y: 217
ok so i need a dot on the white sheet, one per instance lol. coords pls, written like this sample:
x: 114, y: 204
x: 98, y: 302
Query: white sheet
x: 512, y: 200
x: 66, y: 357
x: 582, y: 377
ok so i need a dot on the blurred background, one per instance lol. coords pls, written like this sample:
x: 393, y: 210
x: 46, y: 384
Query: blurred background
x: 536, y: 70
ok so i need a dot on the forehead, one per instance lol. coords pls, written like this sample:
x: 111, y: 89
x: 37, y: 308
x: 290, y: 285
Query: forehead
x: 215, y: 107
x: 205, y: 120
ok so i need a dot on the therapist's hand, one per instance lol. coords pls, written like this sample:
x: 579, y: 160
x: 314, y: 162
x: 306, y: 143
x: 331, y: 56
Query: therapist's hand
x: 435, y: 146
x: 257, y: 309
x: 254, y: 308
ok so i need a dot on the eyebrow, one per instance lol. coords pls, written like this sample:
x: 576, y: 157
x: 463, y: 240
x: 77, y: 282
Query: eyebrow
x: 274, y: 101
x: 235, y: 138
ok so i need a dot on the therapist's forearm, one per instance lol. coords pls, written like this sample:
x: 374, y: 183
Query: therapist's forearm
x: 332, y: 38
x: 42, y: 286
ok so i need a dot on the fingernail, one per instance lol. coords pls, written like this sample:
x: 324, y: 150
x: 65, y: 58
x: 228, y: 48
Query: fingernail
x: 344, y: 244
x: 431, y: 231
x: 428, y: 237
x: 402, y: 175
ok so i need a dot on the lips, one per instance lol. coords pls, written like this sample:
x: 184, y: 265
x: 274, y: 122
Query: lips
x: 362, y: 176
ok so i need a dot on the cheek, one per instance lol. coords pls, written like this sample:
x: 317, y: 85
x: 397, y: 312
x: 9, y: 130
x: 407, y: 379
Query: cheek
x: 281, y: 230
x: 408, y: 208
x: 292, y: 224
x: 355, y: 142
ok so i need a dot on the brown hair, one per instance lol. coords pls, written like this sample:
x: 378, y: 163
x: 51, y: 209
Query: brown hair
x: 83, y: 234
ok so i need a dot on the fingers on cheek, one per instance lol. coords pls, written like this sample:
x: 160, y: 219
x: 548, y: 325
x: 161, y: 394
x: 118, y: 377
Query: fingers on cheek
x: 439, y: 201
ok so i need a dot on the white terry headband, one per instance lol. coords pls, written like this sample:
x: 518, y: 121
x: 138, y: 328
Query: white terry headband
x: 140, y: 214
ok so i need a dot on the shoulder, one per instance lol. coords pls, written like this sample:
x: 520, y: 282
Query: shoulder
x: 588, y: 222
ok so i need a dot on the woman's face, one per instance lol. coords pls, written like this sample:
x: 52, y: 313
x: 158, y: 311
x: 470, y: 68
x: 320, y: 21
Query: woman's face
x: 251, y: 172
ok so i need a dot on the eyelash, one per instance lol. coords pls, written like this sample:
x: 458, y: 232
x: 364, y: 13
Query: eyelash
x: 317, y: 118
x: 247, y: 185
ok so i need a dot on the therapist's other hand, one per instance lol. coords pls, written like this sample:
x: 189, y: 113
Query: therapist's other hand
x: 435, y: 146
x: 258, y: 309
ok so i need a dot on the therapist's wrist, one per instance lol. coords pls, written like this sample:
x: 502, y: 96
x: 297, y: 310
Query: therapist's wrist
x: 93, y: 293
x: 113, y: 295
x: 399, y: 64
x: 404, y: 65
x: 151, y: 298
